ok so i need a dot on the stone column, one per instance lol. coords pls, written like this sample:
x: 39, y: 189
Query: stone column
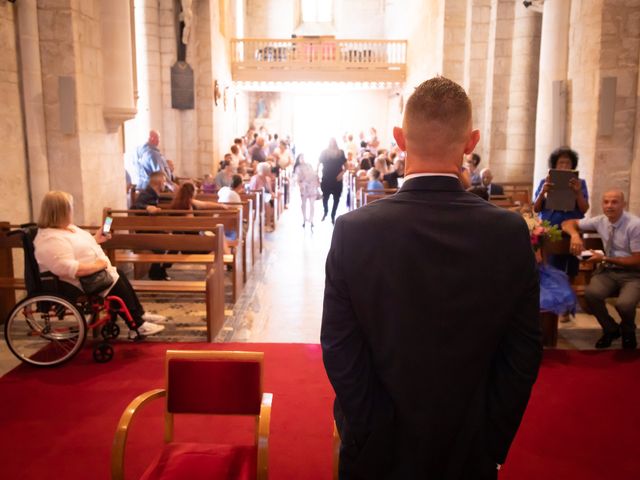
x: 634, y: 194
x: 58, y: 56
x: 31, y: 76
x: 554, y: 49
x: 424, y: 32
x: 497, y: 87
x: 620, y: 47
x: 475, y: 62
x: 455, y: 18
x: 117, y: 63
x: 603, y: 69
x: 512, y: 81
x: 84, y: 158
x: 523, y: 92
x: 149, y: 103
x: 14, y: 185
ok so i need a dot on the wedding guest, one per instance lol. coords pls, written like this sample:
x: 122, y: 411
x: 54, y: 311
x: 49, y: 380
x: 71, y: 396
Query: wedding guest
x: 617, y: 269
x: 474, y: 173
x: 563, y: 158
x: 308, y: 182
x: 69, y: 252
x: 374, y: 182
x: 231, y: 194
x: 486, y: 180
x: 223, y: 178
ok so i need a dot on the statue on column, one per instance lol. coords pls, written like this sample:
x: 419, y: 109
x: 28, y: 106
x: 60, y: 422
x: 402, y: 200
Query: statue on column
x: 186, y: 17
x: 182, y: 82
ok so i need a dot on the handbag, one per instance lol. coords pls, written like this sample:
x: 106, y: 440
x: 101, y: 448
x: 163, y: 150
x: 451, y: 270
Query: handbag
x: 96, y: 282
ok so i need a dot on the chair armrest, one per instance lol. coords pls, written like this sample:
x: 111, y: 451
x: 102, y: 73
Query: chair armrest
x: 262, y: 439
x: 120, y: 438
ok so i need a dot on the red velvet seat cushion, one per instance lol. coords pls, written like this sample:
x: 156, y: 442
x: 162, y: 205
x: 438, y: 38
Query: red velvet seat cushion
x: 198, y: 461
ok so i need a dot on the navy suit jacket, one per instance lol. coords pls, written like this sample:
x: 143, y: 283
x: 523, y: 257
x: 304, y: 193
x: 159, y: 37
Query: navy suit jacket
x: 433, y: 352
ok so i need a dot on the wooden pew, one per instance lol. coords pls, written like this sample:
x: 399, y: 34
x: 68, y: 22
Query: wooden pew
x: 212, y: 286
x: 252, y: 209
x: 518, y: 191
x: 369, y: 196
x: 177, y: 222
x: 250, y: 238
x: 360, y: 184
x: 9, y: 284
x: 503, y: 201
x: 257, y: 199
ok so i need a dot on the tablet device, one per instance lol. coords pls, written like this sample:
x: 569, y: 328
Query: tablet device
x: 561, y: 197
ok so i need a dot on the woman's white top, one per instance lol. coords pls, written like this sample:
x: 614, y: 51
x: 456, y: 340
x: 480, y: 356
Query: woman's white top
x: 61, y: 250
x: 226, y: 195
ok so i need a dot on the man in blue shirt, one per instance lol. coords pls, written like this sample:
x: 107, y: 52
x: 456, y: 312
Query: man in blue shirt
x: 151, y: 160
x: 618, y: 268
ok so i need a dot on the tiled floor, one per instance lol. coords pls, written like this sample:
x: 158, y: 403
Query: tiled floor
x: 282, y: 301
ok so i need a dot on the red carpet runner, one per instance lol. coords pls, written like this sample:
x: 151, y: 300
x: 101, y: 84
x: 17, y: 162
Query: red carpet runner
x: 582, y: 423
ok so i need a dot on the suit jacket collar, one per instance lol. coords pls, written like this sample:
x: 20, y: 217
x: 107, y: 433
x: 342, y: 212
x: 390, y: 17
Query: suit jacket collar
x: 433, y: 183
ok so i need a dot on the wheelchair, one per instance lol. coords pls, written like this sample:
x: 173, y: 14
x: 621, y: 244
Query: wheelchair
x: 46, y: 329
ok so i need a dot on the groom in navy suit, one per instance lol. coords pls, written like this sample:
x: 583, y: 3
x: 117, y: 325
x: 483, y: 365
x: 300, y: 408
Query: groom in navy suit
x: 431, y: 378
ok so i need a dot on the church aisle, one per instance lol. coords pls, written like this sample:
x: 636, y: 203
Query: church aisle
x: 282, y: 301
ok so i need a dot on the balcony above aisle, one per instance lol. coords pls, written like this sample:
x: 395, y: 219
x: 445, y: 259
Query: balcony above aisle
x: 318, y: 59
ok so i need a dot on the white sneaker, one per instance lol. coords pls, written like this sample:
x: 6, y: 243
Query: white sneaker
x: 148, y: 328
x: 153, y: 317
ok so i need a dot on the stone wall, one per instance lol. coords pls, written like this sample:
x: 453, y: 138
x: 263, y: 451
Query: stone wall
x: 620, y: 48
x: 14, y: 189
x: 584, y: 85
x: 270, y: 18
x: 634, y: 195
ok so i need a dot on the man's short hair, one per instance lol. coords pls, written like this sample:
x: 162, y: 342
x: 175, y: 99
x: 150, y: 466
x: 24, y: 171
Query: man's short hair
x: 475, y: 159
x: 155, y: 176
x: 437, y: 101
x: 237, y: 141
x: 236, y: 181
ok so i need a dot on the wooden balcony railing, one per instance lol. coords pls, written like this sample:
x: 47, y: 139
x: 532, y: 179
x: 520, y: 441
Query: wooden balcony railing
x: 318, y: 58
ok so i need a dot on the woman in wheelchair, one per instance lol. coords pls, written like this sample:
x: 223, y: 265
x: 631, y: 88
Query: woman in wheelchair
x: 70, y: 253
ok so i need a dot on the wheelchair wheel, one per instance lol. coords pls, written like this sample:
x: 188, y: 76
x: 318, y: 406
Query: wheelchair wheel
x: 103, y: 353
x: 45, y: 330
x: 110, y: 330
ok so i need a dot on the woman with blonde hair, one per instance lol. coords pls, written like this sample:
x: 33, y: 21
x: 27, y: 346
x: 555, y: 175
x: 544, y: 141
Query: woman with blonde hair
x: 70, y: 253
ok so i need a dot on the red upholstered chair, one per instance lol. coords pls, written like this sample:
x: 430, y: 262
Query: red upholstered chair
x: 205, y: 382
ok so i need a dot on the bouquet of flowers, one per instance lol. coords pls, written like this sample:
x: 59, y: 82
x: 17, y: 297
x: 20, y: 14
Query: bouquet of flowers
x: 540, y: 230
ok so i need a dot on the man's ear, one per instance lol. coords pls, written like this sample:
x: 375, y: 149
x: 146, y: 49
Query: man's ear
x: 473, y: 140
x: 398, y: 134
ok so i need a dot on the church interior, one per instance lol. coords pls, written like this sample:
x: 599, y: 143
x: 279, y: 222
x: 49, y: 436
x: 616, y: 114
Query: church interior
x: 90, y: 87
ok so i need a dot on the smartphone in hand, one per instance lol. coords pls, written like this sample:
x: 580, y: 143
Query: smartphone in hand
x: 106, y: 227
